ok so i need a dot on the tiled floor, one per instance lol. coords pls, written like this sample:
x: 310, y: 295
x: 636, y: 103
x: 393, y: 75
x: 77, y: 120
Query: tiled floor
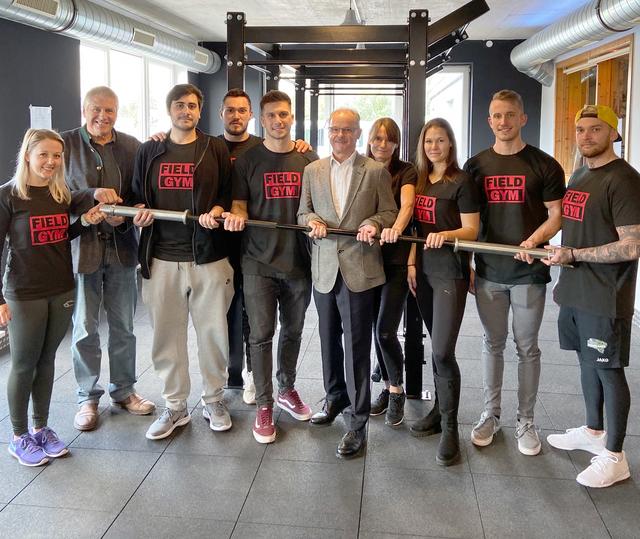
x: 116, y: 483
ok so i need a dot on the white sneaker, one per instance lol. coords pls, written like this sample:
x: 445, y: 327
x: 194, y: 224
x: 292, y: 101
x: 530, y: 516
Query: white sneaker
x: 579, y: 438
x: 483, y: 431
x: 249, y: 393
x: 605, y: 470
x: 527, y: 436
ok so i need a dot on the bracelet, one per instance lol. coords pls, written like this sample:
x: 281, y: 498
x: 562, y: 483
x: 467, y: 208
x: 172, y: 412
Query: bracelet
x: 573, y: 256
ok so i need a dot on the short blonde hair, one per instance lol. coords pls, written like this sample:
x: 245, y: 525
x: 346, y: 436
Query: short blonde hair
x: 57, y: 186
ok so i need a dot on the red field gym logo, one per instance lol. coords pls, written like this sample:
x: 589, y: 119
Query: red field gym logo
x: 425, y: 209
x: 47, y: 229
x: 573, y: 204
x: 174, y: 176
x: 282, y: 185
x: 505, y: 189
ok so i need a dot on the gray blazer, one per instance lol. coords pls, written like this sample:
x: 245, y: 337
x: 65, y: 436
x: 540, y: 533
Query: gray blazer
x: 369, y: 202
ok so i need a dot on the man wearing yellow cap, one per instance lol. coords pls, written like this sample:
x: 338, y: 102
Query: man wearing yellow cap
x: 601, y: 226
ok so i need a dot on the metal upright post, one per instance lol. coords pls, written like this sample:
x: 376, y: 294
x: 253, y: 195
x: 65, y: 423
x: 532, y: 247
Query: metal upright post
x: 414, y: 120
x: 300, y: 93
x: 313, y: 114
x: 235, y: 51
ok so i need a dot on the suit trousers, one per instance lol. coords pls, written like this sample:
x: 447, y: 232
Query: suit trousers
x: 346, y: 369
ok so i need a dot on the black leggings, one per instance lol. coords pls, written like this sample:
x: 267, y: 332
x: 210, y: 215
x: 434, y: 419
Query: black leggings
x: 441, y: 302
x: 389, y: 306
x: 606, y: 387
x: 35, y: 331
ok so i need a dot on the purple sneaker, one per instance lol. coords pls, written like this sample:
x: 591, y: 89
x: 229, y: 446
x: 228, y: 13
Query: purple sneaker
x: 48, y: 441
x: 27, y: 451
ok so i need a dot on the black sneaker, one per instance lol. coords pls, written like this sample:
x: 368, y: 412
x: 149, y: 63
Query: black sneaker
x: 380, y: 405
x: 395, y: 411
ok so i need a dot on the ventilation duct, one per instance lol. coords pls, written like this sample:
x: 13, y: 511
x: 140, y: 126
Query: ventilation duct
x: 83, y: 20
x: 589, y: 24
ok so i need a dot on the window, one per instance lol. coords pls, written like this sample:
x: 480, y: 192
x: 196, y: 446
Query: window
x: 140, y: 83
x: 448, y: 97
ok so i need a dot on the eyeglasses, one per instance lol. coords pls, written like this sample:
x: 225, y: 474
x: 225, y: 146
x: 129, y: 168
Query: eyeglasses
x: 343, y: 130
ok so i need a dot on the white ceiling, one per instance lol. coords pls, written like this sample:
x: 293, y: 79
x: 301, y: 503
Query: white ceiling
x: 203, y: 20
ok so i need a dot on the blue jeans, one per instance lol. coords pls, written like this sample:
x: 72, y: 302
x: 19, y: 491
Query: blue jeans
x: 263, y: 296
x: 114, y: 286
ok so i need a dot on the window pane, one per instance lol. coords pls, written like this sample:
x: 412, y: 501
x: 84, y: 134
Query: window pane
x: 93, y: 68
x: 160, y: 82
x: 127, y: 75
x: 182, y: 76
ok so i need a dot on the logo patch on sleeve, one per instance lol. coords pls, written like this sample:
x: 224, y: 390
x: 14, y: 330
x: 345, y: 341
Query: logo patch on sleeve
x: 176, y: 176
x: 573, y: 204
x: 46, y: 229
x: 505, y: 189
x: 282, y: 185
x: 424, y: 209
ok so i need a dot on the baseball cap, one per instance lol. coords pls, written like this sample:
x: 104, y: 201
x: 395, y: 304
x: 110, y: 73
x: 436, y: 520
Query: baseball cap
x: 602, y: 112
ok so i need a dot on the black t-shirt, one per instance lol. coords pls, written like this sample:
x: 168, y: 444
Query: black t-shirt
x: 236, y: 149
x: 597, y: 201
x: 271, y: 183
x: 396, y: 254
x: 172, y: 189
x: 439, y: 209
x: 513, y: 190
x: 39, y: 260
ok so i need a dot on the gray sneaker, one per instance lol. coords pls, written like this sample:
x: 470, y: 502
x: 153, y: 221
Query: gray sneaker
x: 217, y: 414
x: 527, y: 436
x: 167, y: 422
x: 483, y: 431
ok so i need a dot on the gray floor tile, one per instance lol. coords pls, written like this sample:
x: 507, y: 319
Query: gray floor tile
x: 198, y: 439
x: 29, y: 522
x: 565, y: 411
x: 245, y: 530
x: 432, y: 500
x: 15, y: 477
x: 199, y: 486
x: 60, y: 420
x: 531, y: 507
x: 563, y: 379
x: 618, y: 506
x: 129, y: 524
x: 89, y: 479
x: 376, y: 535
x: 396, y: 448
x: 503, y: 458
x: 284, y: 492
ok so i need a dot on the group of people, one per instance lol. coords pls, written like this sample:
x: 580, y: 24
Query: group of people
x: 236, y: 281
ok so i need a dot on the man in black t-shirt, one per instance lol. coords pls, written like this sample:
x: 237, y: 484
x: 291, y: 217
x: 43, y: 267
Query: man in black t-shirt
x: 185, y: 267
x: 275, y: 264
x: 521, y: 190
x: 601, y: 226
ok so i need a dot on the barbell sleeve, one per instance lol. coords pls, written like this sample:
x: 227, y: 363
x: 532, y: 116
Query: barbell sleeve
x: 458, y: 245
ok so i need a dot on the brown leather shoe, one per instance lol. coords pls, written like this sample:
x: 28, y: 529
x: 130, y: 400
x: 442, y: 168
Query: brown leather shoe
x: 87, y: 416
x: 136, y: 405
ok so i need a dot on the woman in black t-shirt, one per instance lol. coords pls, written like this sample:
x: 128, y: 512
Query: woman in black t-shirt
x: 446, y: 208
x: 38, y: 297
x: 384, y: 147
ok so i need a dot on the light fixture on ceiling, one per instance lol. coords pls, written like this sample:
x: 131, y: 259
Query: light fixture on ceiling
x: 352, y: 17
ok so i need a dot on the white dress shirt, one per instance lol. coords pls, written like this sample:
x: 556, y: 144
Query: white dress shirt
x: 341, y: 181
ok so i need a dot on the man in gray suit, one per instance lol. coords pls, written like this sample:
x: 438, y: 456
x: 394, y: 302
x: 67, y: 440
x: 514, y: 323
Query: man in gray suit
x: 349, y: 191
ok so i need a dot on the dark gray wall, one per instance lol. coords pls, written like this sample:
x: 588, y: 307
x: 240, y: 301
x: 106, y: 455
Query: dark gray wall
x: 492, y: 70
x: 36, y: 68
x: 215, y: 86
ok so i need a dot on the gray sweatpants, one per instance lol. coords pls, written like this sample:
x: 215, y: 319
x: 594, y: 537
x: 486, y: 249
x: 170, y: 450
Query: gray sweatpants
x: 527, y: 304
x: 175, y: 291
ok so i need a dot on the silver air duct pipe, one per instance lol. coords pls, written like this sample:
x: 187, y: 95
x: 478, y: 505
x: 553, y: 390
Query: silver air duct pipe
x: 83, y: 20
x: 589, y: 24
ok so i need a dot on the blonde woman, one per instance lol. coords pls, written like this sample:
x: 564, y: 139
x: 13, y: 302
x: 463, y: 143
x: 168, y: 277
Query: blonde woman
x: 38, y: 296
x: 384, y: 147
x: 446, y: 208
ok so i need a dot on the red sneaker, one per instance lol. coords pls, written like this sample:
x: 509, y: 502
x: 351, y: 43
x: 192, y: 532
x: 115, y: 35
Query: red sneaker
x: 263, y: 430
x: 291, y: 402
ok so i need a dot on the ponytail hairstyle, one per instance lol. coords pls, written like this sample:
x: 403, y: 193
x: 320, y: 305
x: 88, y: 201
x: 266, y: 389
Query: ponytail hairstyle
x: 425, y: 166
x: 57, y: 186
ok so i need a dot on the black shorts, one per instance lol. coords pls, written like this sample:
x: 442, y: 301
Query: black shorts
x: 600, y: 341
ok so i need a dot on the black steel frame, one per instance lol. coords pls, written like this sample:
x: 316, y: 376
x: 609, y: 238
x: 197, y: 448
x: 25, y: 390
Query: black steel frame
x: 402, y: 55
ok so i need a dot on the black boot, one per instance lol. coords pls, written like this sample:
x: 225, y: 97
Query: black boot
x: 448, y: 390
x: 429, y: 424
